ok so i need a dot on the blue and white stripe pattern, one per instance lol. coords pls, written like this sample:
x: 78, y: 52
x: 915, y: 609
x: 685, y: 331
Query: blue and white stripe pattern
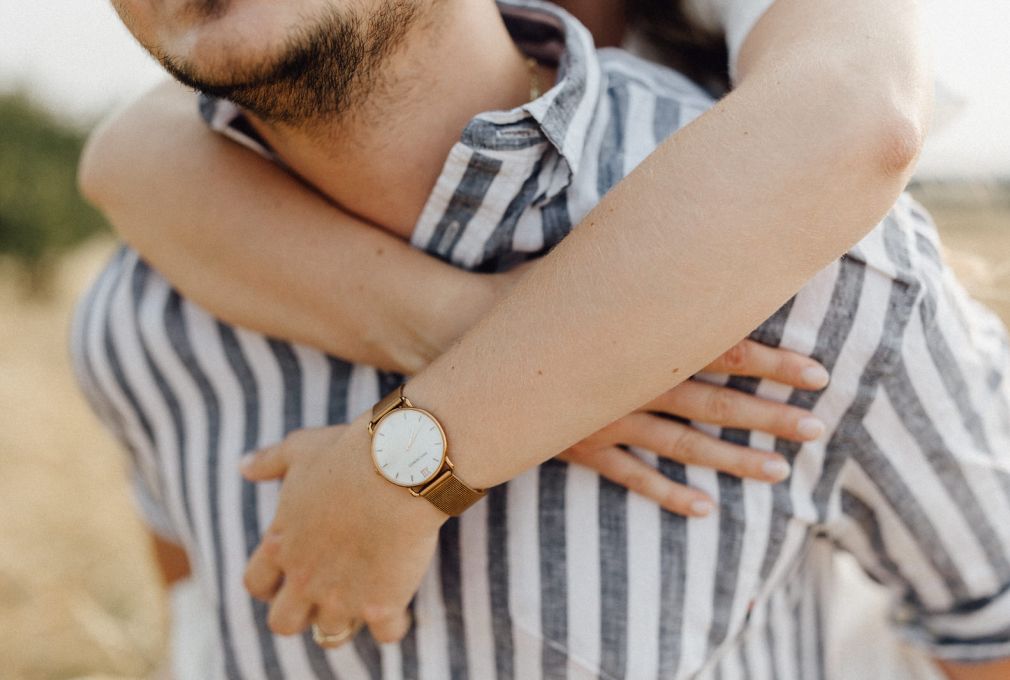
x: 560, y: 574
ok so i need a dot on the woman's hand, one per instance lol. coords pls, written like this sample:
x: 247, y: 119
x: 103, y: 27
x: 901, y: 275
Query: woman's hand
x: 651, y: 428
x: 351, y: 547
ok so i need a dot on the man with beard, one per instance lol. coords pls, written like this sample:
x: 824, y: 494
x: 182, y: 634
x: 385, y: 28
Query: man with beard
x: 557, y: 573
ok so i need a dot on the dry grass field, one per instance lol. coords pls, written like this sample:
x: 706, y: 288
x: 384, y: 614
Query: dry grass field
x: 79, y: 597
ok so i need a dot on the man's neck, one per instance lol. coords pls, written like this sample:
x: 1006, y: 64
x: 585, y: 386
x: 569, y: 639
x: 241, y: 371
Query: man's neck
x: 381, y: 159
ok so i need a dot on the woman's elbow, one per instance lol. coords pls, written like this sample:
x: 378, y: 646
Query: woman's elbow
x: 891, y: 109
x: 94, y: 168
x: 89, y: 176
x: 869, y: 106
x: 899, y: 141
x: 875, y: 136
x: 119, y: 148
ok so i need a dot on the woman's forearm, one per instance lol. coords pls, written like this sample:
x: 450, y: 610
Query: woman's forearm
x: 712, y: 233
x: 240, y: 237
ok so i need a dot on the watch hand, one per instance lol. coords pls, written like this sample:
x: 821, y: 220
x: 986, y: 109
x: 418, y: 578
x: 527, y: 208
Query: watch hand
x: 413, y: 437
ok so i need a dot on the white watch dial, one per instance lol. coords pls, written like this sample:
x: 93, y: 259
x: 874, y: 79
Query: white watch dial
x: 408, y: 446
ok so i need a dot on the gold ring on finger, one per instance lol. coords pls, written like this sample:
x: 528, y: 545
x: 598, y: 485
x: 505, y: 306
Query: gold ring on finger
x: 331, y: 640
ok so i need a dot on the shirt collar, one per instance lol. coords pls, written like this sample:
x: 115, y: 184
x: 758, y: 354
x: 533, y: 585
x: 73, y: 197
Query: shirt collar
x: 564, y: 112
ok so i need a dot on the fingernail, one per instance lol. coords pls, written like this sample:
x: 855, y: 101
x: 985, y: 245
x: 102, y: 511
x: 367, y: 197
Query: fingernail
x: 245, y: 462
x: 810, y: 428
x: 776, y: 470
x: 815, y: 377
x: 702, y: 508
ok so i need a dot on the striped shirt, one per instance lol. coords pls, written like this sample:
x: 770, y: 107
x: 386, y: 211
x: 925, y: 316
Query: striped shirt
x: 559, y: 573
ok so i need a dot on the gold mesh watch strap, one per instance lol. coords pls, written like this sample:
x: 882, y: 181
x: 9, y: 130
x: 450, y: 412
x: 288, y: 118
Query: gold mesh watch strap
x: 387, y: 404
x: 447, y: 492
x: 450, y: 495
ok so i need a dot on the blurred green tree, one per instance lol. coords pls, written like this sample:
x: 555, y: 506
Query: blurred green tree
x: 41, y: 212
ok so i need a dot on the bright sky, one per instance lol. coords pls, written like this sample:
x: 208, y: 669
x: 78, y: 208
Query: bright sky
x: 77, y: 57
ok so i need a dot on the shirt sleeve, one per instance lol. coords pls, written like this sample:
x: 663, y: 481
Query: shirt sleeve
x: 152, y: 511
x: 735, y: 18
x: 146, y: 496
x: 924, y: 494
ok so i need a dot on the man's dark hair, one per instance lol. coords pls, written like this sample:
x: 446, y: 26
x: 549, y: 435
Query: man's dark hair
x: 699, y: 54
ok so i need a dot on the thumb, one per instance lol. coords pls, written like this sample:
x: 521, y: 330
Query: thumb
x: 266, y: 464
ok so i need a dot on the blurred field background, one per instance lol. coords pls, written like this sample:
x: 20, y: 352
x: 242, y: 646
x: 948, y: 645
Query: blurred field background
x: 79, y: 596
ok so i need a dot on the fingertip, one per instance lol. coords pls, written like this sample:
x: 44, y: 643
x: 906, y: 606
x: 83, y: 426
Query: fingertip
x: 264, y: 591
x: 391, y: 630
x: 247, y: 462
x: 261, y: 466
x: 810, y: 428
x: 815, y: 377
x: 286, y: 621
x: 702, y: 507
x: 387, y: 623
x: 776, y: 470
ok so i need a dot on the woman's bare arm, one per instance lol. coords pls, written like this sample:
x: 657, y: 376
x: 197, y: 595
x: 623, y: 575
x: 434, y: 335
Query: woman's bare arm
x: 714, y: 231
x: 257, y: 248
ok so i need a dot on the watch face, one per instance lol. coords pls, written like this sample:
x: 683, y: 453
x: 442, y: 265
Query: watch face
x: 408, y: 446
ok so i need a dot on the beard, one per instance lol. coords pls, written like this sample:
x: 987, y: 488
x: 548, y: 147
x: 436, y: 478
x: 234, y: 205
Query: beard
x: 324, y: 70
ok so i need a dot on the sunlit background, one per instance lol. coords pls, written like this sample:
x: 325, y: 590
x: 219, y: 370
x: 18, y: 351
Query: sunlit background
x: 78, y: 594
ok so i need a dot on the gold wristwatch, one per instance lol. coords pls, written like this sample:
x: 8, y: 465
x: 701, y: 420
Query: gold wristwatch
x: 409, y: 449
